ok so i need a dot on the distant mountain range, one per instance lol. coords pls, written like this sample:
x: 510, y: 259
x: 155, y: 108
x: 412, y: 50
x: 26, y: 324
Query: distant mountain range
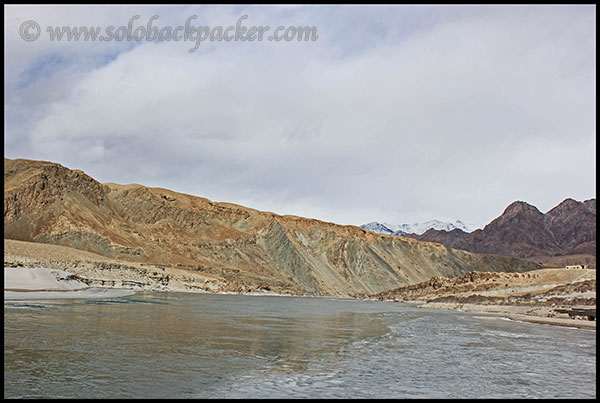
x: 566, y: 234
x: 416, y: 228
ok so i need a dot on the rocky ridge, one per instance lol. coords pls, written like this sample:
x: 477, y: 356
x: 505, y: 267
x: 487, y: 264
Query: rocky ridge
x: 569, y: 229
x: 46, y: 203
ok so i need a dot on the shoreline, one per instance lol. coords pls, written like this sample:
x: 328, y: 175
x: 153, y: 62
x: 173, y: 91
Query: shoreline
x: 49, y: 283
x: 570, y: 323
x: 509, y: 312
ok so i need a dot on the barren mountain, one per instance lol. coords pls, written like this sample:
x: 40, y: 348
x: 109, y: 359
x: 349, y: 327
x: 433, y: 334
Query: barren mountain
x: 47, y: 203
x: 573, y: 225
x: 567, y: 230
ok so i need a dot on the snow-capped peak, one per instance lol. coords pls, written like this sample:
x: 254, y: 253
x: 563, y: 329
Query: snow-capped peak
x: 415, y: 228
x: 378, y: 228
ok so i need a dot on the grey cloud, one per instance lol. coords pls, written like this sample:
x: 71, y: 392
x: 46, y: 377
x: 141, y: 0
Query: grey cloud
x: 395, y: 114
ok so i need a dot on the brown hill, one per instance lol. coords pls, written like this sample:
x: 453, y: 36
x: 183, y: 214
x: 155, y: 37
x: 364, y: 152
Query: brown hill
x: 47, y: 203
x: 567, y: 230
x: 573, y: 225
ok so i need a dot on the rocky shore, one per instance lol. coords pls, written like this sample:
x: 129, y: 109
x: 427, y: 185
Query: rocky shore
x: 565, y: 297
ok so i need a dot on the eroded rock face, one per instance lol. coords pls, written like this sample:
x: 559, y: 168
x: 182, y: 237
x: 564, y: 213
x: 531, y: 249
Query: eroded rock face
x: 46, y: 202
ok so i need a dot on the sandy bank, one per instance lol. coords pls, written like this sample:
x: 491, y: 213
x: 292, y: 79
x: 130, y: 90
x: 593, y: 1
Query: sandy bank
x: 518, y: 313
x: 40, y: 279
x: 78, y: 294
x: 44, y: 283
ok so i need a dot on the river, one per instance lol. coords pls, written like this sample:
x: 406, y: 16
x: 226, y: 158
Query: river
x: 188, y: 345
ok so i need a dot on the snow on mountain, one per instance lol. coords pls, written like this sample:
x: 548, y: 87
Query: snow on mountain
x: 420, y: 228
x: 378, y: 228
x: 415, y: 228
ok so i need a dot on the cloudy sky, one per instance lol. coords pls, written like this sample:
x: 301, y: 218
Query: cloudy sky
x: 395, y: 113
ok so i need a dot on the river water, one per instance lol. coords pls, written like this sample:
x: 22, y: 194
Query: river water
x: 186, y: 345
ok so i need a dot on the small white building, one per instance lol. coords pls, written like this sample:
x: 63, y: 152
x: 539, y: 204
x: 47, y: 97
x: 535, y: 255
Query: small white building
x: 577, y: 266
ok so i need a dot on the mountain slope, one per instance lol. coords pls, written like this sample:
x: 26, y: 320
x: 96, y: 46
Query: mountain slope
x: 523, y: 231
x: 48, y: 203
x: 573, y: 225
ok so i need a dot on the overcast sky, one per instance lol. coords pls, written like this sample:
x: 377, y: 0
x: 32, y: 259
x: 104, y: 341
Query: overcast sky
x: 394, y: 114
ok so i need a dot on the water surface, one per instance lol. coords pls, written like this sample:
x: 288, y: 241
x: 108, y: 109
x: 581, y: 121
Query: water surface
x: 178, y: 345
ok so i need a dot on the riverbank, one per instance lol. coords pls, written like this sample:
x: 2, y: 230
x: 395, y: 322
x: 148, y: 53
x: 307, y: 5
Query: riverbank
x: 541, y: 296
x: 65, y: 272
x: 100, y: 271
x: 516, y: 313
x: 44, y: 283
x: 40, y: 283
